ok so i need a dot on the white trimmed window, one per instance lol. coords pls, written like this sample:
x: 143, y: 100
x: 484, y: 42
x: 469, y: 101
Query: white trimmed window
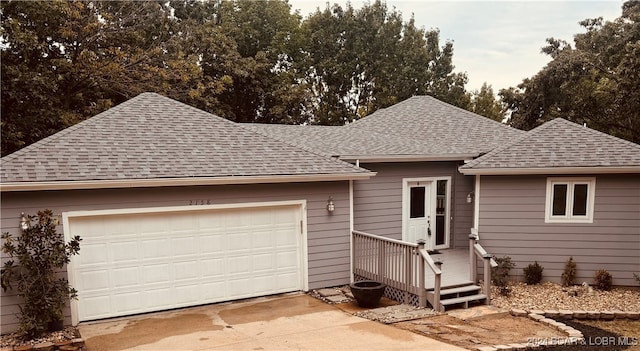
x: 570, y: 200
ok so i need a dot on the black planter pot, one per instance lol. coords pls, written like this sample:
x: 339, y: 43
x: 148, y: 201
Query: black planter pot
x: 56, y: 325
x: 367, y: 292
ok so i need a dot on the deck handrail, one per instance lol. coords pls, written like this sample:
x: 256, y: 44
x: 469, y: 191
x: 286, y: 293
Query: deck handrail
x: 437, y: 271
x: 476, y: 250
x: 382, y: 238
x: 394, y: 262
x: 430, y: 262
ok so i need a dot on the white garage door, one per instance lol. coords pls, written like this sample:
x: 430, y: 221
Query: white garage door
x: 151, y: 260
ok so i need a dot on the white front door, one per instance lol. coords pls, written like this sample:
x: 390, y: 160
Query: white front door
x: 419, y: 222
x: 426, y: 212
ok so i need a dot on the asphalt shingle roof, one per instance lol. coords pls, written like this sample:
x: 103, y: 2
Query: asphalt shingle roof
x: 444, y: 128
x: 560, y: 143
x: 419, y: 126
x: 343, y: 142
x: 151, y: 137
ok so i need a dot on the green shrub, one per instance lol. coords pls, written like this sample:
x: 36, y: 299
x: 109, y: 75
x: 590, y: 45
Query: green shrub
x: 37, y: 255
x: 603, y: 280
x: 533, y: 273
x: 570, y: 273
x: 500, y: 274
x: 637, y: 277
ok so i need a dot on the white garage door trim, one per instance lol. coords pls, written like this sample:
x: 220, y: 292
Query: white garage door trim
x: 301, y: 204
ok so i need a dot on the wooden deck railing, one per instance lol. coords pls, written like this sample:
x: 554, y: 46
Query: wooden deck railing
x: 398, y: 264
x: 477, y: 251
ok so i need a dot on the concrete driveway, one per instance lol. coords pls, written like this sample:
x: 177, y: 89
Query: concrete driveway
x: 290, y: 322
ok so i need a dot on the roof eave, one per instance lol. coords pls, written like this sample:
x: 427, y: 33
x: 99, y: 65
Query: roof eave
x: 194, y: 181
x: 407, y: 158
x: 550, y: 170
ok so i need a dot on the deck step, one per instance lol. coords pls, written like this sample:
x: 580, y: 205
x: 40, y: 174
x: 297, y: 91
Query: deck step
x: 459, y: 290
x: 463, y: 299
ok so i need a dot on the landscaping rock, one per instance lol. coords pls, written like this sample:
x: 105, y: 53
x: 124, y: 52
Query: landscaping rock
x: 620, y: 314
x: 518, y: 313
x: 607, y: 315
x: 552, y: 296
x: 580, y: 314
x: 329, y: 292
x: 337, y: 298
x: 45, y: 346
x: 565, y: 314
x: 551, y: 313
x: 535, y: 317
x: 593, y: 314
x: 633, y: 315
x: 486, y: 348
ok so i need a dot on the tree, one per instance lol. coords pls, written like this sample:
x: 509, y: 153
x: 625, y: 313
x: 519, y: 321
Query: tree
x: 244, y: 60
x: 250, y: 46
x: 65, y: 61
x: 597, y: 82
x: 361, y: 60
x: 484, y: 103
x: 37, y: 255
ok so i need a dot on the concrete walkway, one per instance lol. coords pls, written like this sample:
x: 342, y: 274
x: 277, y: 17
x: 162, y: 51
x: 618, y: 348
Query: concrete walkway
x: 291, y: 322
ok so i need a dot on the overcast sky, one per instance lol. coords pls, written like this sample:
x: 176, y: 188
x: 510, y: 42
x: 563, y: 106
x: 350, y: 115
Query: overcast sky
x: 497, y: 42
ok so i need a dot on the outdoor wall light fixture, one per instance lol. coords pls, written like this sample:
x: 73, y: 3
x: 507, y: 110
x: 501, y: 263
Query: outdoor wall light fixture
x: 24, y: 224
x: 330, y: 205
x: 470, y: 197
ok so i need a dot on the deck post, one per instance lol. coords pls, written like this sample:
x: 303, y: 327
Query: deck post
x: 422, y: 291
x: 436, y: 288
x: 473, y: 263
x: 487, y: 277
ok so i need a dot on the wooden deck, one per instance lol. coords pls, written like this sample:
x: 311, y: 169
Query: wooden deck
x: 415, y: 276
x: 455, y: 268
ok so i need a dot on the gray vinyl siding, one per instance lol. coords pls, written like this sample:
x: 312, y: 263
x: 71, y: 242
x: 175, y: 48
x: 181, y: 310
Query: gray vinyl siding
x: 377, y: 202
x: 512, y: 223
x: 328, y: 234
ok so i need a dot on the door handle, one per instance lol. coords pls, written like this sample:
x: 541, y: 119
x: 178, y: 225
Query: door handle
x: 428, y: 227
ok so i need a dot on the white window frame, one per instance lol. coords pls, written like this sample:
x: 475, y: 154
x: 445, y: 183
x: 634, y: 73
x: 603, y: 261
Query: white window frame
x: 568, y: 217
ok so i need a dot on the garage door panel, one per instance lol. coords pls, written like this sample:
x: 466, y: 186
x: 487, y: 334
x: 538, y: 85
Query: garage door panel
x: 263, y: 262
x: 185, y: 246
x: 212, y: 242
x: 157, y: 299
x: 124, y: 251
x: 94, y: 280
x: 187, y: 295
x: 98, y: 306
x: 239, y: 265
x: 186, y: 270
x: 135, y: 263
x: 124, y: 277
x: 156, y: 248
x: 93, y: 253
x: 238, y: 239
x: 214, y: 291
x: 214, y: 268
x: 282, y: 237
